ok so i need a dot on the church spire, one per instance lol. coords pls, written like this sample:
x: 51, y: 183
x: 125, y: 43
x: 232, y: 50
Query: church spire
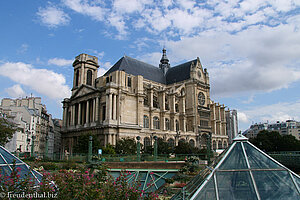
x: 164, y: 62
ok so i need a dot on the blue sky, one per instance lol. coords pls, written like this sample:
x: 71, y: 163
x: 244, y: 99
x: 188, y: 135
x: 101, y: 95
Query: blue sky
x: 251, y: 48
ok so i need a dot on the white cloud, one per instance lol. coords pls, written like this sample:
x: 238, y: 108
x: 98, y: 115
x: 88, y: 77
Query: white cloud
x: 52, y: 16
x: 274, y: 112
x: 23, y: 48
x: 60, y: 62
x: 95, y: 11
x: 242, y: 117
x: 15, y: 91
x: 43, y: 81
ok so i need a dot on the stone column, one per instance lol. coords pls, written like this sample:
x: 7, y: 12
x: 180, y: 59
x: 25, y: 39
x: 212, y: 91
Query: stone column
x: 163, y: 102
x: 108, y: 106
x: 115, y: 106
x: 97, y: 109
x: 79, y: 113
x: 151, y: 99
x: 65, y: 116
x: 109, y: 139
x: 73, y: 115
x: 94, y: 109
x: 87, y: 111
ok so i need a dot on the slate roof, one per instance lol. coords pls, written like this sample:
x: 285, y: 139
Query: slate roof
x: 136, y: 67
x: 179, y: 73
x: 150, y: 72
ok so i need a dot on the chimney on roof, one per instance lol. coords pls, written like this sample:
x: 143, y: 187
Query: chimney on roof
x: 164, y: 62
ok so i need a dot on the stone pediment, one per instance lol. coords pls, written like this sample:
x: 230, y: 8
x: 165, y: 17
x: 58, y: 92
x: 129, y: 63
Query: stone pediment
x: 83, y: 90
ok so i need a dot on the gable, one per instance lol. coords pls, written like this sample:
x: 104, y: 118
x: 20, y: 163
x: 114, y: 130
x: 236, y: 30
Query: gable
x: 82, y: 91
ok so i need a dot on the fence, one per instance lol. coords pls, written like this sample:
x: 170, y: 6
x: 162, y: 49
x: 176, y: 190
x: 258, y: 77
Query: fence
x: 83, y: 157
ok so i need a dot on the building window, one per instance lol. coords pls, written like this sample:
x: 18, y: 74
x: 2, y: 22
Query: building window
x: 146, y: 121
x: 176, y: 107
x: 155, y: 122
x: 77, y: 78
x: 107, y: 79
x: 167, y: 124
x: 103, y: 112
x: 192, y: 143
x: 155, y: 100
x: 89, y: 77
x: 177, y: 125
x: 167, y: 107
x: 129, y: 81
x: 214, y: 145
x: 220, y: 145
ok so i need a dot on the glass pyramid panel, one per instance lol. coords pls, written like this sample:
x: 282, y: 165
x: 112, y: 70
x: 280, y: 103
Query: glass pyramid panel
x: 235, y: 185
x: 2, y: 161
x: 297, y: 179
x: 274, y: 185
x: 258, y: 160
x: 208, y: 191
x: 8, y: 156
x: 235, y: 159
x: 8, y: 161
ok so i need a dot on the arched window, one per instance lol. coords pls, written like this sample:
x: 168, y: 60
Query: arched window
x: 225, y: 145
x: 181, y: 140
x: 89, y: 75
x: 220, y: 144
x: 146, y: 121
x: 155, y: 122
x: 171, y: 142
x: 167, y: 124
x: 214, y: 145
x: 177, y: 125
x: 192, y: 143
x: 77, y: 78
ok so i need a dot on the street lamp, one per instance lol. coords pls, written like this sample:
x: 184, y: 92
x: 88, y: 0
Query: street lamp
x: 155, y: 148
x: 138, y: 149
x: 32, y: 146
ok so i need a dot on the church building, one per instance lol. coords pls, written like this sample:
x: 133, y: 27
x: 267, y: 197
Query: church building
x: 134, y: 98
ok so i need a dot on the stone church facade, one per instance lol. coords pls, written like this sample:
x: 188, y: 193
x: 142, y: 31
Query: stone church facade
x: 134, y: 98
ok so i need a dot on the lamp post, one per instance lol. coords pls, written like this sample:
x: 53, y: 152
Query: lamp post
x: 47, y: 144
x: 155, y: 148
x: 90, y: 149
x: 138, y: 149
x: 208, y: 148
x: 32, y: 146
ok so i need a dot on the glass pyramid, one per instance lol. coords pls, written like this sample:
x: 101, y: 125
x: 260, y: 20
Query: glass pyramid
x: 245, y: 173
x: 8, y: 160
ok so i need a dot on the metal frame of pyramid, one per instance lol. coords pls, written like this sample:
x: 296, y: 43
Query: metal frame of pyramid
x: 8, y: 160
x: 245, y: 172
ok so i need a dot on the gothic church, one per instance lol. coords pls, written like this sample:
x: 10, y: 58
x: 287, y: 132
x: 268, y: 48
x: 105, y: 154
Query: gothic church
x: 134, y: 98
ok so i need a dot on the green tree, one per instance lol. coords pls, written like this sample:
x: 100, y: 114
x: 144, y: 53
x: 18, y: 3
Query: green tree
x: 82, y: 145
x: 272, y: 141
x: 7, y: 130
x: 163, y: 147
x: 126, y: 146
x: 185, y: 148
x: 109, y: 149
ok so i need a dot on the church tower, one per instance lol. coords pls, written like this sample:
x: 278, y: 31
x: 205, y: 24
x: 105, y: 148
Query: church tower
x: 164, y: 62
x: 85, y: 71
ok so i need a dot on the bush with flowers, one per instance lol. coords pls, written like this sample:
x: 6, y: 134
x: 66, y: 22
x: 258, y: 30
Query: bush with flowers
x: 79, y: 184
